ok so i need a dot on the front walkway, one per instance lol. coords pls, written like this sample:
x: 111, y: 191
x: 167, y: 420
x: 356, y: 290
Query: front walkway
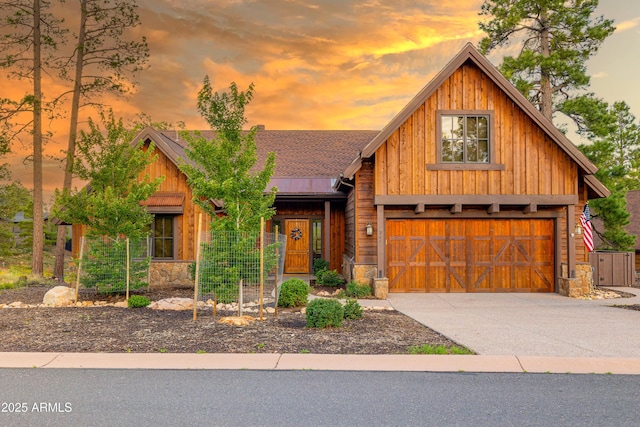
x: 529, y: 324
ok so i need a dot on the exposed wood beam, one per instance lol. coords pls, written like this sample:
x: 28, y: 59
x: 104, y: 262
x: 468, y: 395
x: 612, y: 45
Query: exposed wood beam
x: 531, y: 208
x: 456, y: 208
x: 493, y: 208
x: 571, y: 241
x: 419, y: 208
x: 382, y: 238
x: 478, y: 200
x: 445, y: 213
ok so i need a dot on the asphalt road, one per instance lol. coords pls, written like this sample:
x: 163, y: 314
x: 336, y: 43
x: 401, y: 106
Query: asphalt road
x: 64, y: 397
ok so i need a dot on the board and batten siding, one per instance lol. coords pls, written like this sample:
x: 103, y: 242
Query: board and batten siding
x: 176, y: 181
x: 365, y: 212
x: 533, y: 163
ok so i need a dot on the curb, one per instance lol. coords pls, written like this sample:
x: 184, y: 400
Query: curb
x: 323, y: 362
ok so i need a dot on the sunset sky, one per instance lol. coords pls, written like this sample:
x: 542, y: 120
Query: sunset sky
x: 323, y: 64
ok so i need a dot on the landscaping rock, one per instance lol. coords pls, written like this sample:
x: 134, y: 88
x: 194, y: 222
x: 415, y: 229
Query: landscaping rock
x: 237, y: 320
x: 59, y: 296
x: 173, y: 304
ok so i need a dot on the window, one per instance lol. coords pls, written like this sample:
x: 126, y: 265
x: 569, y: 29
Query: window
x: 163, y: 237
x: 465, y: 138
x: 317, y: 238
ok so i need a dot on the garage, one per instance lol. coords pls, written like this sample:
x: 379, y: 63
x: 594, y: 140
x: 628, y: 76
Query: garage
x: 470, y: 255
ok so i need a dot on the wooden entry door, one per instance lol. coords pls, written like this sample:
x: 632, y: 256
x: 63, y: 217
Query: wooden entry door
x: 297, y: 260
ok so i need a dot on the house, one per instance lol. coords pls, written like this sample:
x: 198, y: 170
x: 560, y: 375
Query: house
x: 468, y: 189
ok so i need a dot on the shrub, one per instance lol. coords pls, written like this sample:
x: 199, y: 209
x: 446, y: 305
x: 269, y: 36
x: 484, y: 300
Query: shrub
x: 329, y: 278
x: 137, y: 301
x: 319, y: 264
x: 323, y: 313
x: 352, y: 310
x: 293, y: 293
x: 357, y: 290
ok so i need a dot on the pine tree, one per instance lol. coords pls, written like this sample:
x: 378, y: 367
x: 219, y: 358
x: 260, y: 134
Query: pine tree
x: 557, y: 37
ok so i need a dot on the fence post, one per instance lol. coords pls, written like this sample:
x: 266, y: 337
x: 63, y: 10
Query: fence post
x: 262, y: 235
x: 128, y: 268
x: 79, y: 266
x: 197, y: 275
x: 275, y: 295
x: 240, y: 298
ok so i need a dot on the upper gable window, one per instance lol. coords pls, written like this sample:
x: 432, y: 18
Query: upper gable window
x: 464, y: 138
x: 465, y: 141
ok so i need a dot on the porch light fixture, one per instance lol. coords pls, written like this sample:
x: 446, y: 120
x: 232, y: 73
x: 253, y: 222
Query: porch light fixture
x: 369, y: 229
x: 578, y: 230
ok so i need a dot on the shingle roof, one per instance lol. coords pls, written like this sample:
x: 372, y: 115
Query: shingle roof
x: 300, y: 153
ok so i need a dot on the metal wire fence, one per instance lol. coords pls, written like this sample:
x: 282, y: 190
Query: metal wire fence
x: 114, y: 265
x: 229, y: 270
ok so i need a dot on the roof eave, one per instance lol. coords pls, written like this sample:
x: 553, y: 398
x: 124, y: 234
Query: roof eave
x: 596, y: 189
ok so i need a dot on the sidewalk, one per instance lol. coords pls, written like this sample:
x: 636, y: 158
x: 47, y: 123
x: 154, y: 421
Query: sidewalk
x: 323, y: 362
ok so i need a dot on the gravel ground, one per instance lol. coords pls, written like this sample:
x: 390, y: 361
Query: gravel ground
x: 111, y: 329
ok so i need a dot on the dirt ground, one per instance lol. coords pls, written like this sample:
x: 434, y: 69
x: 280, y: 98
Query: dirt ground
x: 111, y: 329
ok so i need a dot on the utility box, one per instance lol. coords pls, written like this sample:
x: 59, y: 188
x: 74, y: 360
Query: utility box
x: 613, y: 268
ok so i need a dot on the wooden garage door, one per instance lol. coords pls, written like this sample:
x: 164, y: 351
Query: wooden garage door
x: 470, y: 255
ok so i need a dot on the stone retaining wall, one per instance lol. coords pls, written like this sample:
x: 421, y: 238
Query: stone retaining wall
x: 360, y: 273
x: 170, y: 274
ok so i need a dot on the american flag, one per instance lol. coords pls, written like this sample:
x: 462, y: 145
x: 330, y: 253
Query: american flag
x: 587, y: 232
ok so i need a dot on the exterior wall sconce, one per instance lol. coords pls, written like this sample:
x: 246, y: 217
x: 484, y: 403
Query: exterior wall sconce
x: 578, y: 230
x: 369, y: 229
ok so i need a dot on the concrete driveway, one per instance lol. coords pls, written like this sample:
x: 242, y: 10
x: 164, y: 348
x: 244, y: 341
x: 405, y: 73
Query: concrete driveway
x: 530, y: 324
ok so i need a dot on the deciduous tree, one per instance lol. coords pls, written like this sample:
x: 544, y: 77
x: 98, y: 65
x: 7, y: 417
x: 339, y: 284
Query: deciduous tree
x: 110, y: 204
x: 223, y: 167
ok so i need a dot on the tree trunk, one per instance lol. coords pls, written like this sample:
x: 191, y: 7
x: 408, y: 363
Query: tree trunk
x: 37, y: 267
x: 58, y: 270
x: 545, y: 80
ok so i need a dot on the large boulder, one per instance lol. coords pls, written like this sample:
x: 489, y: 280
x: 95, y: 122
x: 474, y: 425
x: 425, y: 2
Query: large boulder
x: 59, y: 296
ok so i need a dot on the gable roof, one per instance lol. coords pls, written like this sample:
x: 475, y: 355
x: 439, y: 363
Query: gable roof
x: 307, y: 161
x: 470, y: 53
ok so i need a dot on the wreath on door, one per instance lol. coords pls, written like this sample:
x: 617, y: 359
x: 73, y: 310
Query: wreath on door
x: 296, y: 234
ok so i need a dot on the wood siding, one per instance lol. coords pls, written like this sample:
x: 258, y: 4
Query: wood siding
x: 350, y: 226
x: 365, y: 212
x: 533, y: 164
x: 176, y: 182
x: 337, y: 230
x: 187, y: 223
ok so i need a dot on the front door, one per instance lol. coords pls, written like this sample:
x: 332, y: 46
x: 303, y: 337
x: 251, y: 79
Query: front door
x: 296, y: 260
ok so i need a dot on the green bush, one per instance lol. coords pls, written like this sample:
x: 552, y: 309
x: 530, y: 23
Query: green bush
x: 323, y: 313
x: 329, y: 278
x: 357, y: 290
x: 352, y: 310
x: 319, y: 264
x: 137, y: 301
x: 293, y: 293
